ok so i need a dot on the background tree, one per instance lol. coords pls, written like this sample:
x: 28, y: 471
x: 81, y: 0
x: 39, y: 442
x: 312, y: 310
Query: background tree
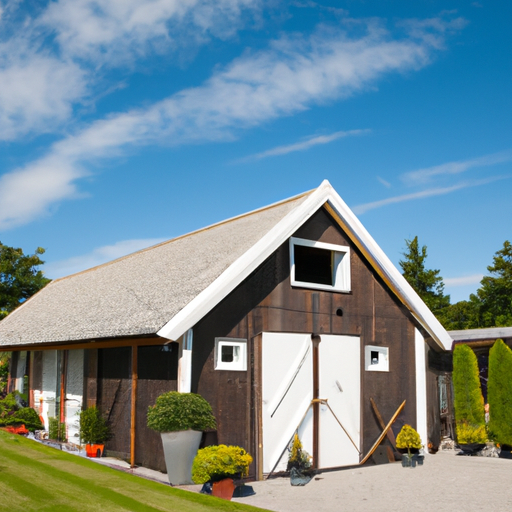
x: 428, y: 284
x: 495, y: 292
x: 499, y: 392
x: 19, y: 277
x: 464, y: 314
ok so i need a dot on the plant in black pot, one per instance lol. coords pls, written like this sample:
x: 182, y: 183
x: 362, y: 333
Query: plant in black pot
x: 499, y: 393
x: 181, y: 419
x: 468, y: 401
x: 299, y: 463
x: 94, y: 431
x: 219, y: 465
x: 408, y: 442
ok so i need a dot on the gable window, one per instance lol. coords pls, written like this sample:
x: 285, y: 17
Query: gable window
x: 230, y: 354
x: 319, y: 265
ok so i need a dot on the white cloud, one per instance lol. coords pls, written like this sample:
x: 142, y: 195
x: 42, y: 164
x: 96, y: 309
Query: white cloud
x: 289, y: 77
x: 421, y: 176
x: 304, y: 145
x: 464, y: 280
x: 363, y: 208
x: 37, y: 90
x: 97, y: 257
x: 382, y: 181
x: 49, y: 62
x: 117, y: 30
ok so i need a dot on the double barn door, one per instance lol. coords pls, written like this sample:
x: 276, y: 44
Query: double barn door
x: 288, y: 388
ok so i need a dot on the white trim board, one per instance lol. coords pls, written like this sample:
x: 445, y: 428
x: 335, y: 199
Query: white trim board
x: 324, y: 195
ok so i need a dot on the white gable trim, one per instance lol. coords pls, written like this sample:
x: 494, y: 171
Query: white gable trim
x: 279, y: 234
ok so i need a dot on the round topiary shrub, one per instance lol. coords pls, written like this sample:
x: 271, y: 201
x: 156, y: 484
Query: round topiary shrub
x: 408, y: 439
x: 174, y: 411
x: 215, y: 463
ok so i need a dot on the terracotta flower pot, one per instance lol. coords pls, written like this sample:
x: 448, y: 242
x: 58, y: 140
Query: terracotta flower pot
x: 94, y: 450
x: 224, y: 489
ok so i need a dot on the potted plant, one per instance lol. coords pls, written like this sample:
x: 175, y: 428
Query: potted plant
x: 94, y: 431
x: 471, y: 438
x: 181, y: 419
x: 408, y: 440
x: 468, y: 400
x: 499, y: 391
x: 299, y: 463
x: 220, y: 465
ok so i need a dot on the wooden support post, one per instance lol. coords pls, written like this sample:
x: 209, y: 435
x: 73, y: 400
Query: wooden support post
x: 315, y: 338
x: 133, y: 405
x: 63, y: 372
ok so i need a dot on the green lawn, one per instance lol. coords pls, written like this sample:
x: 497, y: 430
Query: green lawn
x: 37, y: 477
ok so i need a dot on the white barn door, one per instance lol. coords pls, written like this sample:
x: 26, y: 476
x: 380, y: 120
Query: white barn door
x: 287, y: 391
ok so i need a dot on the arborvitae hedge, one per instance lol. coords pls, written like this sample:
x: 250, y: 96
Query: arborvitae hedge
x: 468, y: 400
x: 499, y: 392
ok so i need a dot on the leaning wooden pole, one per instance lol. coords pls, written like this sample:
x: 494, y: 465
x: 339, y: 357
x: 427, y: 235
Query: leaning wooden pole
x: 133, y: 405
x: 384, y: 433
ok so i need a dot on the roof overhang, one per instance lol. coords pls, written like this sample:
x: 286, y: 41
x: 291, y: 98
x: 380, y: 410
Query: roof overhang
x: 323, y: 196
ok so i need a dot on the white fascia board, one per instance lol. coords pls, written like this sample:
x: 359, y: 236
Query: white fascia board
x: 380, y: 261
x: 203, y: 303
x: 280, y: 233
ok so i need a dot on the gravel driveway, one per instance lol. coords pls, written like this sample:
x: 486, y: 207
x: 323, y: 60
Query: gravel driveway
x: 445, y: 482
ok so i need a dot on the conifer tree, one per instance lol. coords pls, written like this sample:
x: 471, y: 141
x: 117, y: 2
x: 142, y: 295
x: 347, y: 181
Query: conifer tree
x: 428, y: 284
x: 468, y: 399
x: 499, y: 392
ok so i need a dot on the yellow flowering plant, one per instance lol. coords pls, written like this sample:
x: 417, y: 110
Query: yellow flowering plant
x: 215, y: 463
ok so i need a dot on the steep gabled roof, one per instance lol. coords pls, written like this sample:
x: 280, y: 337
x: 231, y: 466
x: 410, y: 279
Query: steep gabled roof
x: 168, y: 288
x: 323, y: 196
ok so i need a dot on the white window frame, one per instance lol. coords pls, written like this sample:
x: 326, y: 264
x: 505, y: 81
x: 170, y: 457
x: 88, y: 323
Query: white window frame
x: 383, y: 359
x: 239, y: 365
x: 341, y: 265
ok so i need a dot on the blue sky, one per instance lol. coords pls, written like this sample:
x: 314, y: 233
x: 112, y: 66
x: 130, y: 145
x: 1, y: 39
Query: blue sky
x: 128, y: 122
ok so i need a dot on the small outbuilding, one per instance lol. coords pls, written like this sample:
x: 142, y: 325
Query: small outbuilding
x: 288, y: 318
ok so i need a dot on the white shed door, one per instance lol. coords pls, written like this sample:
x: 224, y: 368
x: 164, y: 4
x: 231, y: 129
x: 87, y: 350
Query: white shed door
x: 287, y: 391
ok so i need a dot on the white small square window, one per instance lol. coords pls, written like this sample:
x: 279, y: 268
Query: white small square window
x: 230, y: 354
x: 319, y: 265
x: 376, y: 359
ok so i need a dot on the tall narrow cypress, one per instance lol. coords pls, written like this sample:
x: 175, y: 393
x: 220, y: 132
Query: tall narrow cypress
x: 468, y: 399
x: 499, y: 393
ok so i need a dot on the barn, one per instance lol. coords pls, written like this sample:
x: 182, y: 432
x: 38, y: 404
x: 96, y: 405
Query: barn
x: 288, y: 318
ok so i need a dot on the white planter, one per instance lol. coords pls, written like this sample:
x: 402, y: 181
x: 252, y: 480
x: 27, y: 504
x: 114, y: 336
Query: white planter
x: 180, y: 448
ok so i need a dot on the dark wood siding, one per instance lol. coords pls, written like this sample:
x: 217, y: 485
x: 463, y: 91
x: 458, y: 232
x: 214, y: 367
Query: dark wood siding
x: 266, y: 302
x: 158, y: 373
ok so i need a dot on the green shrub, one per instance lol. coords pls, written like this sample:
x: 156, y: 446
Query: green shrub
x: 468, y: 400
x: 499, y: 392
x: 26, y: 416
x: 56, y: 430
x: 408, y: 438
x: 10, y: 403
x: 214, y: 463
x: 299, y: 458
x: 94, y: 428
x: 175, y: 411
x: 469, y: 434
